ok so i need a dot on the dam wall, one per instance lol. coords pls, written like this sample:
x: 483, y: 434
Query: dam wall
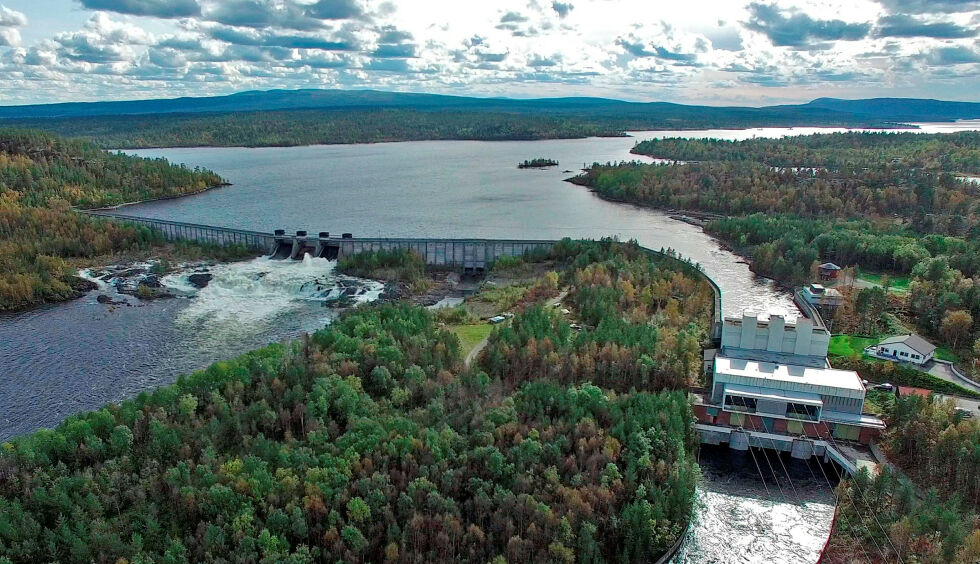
x: 473, y: 255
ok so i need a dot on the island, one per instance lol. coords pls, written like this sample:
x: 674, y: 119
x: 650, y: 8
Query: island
x: 538, y: 163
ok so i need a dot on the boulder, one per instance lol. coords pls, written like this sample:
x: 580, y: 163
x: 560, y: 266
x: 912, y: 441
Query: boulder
x: 200, y: 279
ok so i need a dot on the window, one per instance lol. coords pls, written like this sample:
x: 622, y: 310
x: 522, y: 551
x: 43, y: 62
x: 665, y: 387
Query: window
x: 915, y: 356
x: 738, y: 403
x: 802, y: 411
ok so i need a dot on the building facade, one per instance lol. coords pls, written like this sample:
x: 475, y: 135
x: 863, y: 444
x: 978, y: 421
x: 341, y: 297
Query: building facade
x: 772, y: 374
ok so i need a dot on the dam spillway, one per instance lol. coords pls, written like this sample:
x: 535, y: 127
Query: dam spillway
x: 466, y: 255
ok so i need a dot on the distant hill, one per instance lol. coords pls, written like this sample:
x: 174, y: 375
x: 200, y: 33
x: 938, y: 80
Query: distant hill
x: 900, y: 109
x: 825, y: 109
x: 304, y: 117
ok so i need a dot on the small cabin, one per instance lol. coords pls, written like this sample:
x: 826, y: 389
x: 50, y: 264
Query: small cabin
x: 820, y: 296
x: 828, y: 271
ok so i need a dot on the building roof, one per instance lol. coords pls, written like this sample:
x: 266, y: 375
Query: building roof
x: 845, y: 383
x: 912, y: 341
x: 829, y: 266
x: 910, y: 391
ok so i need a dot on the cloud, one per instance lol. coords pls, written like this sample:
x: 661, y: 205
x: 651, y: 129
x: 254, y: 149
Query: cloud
x: 391, y: 34
x: 336, y: 10
x: 155, y: 8
x: 664, y: 44
x: 394, y: 51
x: 800, y: 30
x: 11, y: 18
x: 902, y: 25
x: 9, y: 37
x: 513, y: 17
x: 929, y: 6
x: 957, y: 55
x: 268, y: 38
x: 262, y: 13
x: 562, y: 8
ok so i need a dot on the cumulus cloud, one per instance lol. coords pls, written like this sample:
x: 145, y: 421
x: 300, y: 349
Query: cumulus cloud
x: 929, y: 6
x: 155, y: 8
x: 562, y: 8
x: 902, y: 25
x: 394, y: 51
x: 797, y: 29
x: 749, y: 47
x: 11, y: 18
x: 954, y: 55
x: 336, y: 9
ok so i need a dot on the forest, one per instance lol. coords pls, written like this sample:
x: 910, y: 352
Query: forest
x: 42, y: 177
x: 312, y: 127
x: 932, y: 518
x: 371, y: 441
x: 887, y: 202
x: 307, y: 117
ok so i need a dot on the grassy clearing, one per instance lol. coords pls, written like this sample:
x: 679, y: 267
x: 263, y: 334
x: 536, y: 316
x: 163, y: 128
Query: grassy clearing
x: 471, y: 335
x: 897, y: 283
x: 944, y: 353
x: 849, y: 345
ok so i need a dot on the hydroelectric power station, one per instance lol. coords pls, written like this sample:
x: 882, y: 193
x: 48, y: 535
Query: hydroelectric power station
x: 771, y: 386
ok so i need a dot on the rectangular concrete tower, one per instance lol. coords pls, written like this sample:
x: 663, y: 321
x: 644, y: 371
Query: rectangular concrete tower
x: 750, y: 324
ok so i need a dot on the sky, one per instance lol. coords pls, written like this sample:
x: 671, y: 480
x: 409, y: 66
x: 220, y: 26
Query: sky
x: 716, y: 52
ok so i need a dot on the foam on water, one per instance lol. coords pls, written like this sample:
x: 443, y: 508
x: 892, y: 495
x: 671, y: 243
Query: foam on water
x: 260, y: 290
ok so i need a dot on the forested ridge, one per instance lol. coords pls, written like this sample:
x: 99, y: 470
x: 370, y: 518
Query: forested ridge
x: 41, y: 178
x: 370, y: 441
x: 312, y: 127
x: 496, y: 120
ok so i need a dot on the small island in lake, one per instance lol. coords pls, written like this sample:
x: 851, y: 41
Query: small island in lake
x: 538, y: 163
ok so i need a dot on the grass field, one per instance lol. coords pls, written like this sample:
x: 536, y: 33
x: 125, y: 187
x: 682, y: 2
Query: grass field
x: 847, y: 345
x: 471, y: 335
x: 898, y: 283
x: 943, y: 353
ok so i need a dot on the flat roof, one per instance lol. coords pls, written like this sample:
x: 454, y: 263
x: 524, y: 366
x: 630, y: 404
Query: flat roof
x: 789, y: 376
x: 805, y: 398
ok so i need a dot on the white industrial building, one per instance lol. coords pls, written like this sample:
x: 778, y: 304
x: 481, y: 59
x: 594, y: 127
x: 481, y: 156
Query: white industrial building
x: 777, y: 369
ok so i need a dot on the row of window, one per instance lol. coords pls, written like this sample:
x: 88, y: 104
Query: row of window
x: 913, y: 356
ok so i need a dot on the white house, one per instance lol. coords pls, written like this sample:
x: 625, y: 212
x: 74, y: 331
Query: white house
x: 905, y: 348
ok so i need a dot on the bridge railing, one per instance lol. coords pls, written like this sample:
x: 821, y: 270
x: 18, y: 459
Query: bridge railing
x: 176, y: 230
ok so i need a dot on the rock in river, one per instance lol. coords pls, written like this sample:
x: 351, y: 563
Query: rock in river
x: 200, y: 279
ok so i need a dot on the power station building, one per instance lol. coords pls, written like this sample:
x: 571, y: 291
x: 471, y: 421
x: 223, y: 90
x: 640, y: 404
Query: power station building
x: 772, y: 374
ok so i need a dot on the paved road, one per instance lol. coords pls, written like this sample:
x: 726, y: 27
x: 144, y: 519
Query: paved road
x: 942, y: 370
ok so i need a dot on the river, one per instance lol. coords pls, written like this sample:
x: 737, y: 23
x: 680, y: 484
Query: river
x: 65, y: 358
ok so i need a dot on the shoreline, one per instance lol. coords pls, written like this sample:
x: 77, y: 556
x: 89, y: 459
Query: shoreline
x: 910, y: 127
x: 691, y: 218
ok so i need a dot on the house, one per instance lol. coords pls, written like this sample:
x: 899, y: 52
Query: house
x: 772, y: 373
x: 828, y: 271
x: 904, y: 348
x: 819, y: 296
